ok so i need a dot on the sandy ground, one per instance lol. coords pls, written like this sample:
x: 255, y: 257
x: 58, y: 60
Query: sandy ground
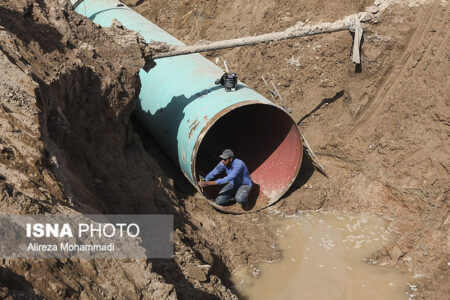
x: 68, y: 145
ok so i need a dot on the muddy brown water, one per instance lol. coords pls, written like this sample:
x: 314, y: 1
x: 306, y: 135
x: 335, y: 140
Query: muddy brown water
x: 325, y: 257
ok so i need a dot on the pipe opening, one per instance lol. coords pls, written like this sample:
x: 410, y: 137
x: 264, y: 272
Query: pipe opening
x: 266, y: 138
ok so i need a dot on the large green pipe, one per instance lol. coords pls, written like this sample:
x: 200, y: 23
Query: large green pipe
x: 194, y: 120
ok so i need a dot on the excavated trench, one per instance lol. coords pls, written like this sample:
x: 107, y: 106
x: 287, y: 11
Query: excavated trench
x: 364, y: 131
x: 178, y: 113
x: 82, y: 141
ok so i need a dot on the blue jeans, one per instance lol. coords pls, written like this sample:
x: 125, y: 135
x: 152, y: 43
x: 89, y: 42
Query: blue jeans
x: 228, y: 191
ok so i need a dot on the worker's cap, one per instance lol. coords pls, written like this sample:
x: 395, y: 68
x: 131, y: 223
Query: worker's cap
x: 227, y: 153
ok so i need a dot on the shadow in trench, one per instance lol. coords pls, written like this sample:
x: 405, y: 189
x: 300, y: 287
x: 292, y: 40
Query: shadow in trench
x: 183, y: 186
x: 169, y: 119
x: 169, y: 268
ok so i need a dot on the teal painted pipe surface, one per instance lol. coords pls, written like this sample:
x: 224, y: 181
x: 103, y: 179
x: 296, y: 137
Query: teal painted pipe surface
x: 179, y: 101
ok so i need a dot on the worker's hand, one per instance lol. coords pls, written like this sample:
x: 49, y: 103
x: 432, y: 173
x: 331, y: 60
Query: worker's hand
x: 202, y: 183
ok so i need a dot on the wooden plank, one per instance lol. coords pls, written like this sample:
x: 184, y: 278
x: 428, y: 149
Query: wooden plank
x: 357, y: 42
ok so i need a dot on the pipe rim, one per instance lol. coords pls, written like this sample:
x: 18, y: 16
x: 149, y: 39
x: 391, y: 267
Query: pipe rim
x: 210, y: 124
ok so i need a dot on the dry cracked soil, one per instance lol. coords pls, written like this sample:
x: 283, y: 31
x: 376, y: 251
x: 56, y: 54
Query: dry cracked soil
x: 69, y: 143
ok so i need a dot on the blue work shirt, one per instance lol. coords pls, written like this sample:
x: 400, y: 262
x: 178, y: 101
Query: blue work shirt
x: 238, y: 173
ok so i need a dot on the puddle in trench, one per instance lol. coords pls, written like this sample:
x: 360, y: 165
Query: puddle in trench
x: 323, y: 259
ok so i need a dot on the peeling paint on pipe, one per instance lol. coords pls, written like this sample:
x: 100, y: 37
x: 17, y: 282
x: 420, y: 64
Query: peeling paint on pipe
x: 194, y: 120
